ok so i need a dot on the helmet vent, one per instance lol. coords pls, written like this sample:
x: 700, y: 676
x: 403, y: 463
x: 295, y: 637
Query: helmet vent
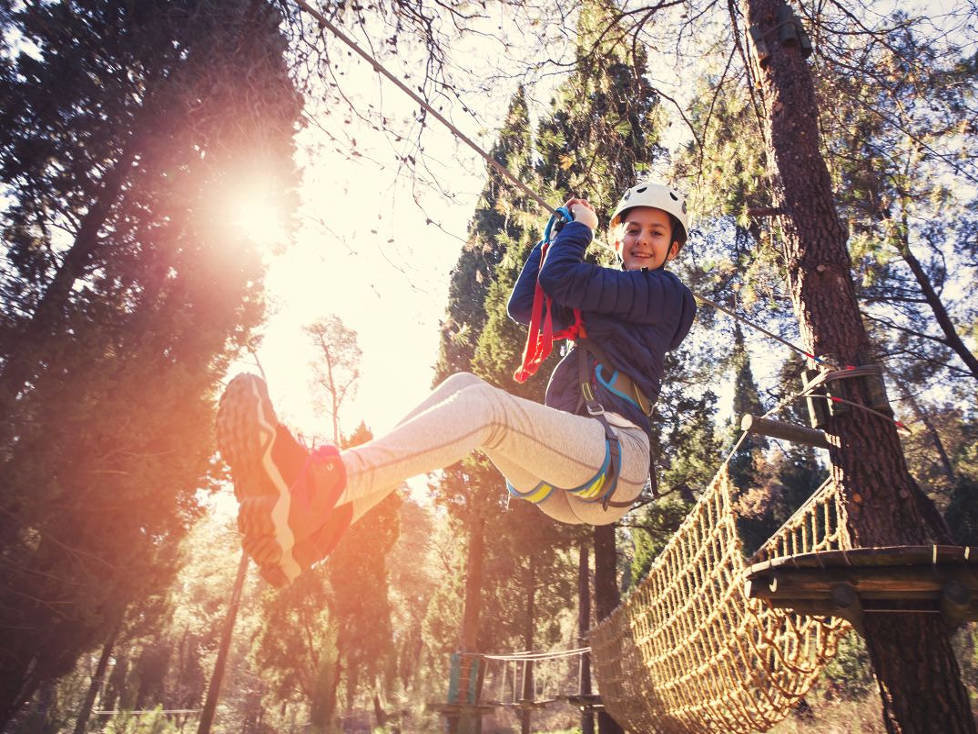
x: 674, y: 197
x: 641, y: 190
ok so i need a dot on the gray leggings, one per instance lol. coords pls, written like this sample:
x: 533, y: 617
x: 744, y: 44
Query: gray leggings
x: 528, y: 442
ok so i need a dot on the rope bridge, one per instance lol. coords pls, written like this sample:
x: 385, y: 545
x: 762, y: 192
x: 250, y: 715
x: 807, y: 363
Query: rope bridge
x: 688, y: 651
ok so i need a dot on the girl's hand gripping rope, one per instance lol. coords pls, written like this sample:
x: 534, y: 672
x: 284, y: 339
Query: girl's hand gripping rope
x: 583, y: 212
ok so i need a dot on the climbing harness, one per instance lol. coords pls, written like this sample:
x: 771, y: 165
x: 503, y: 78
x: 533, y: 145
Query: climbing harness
x: 617, y: 382
x: 598, y: 488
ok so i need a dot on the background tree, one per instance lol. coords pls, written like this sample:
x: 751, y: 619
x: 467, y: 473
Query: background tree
x: 358, y: 574
x: 470, y: 490
x: 337, y: 368
x: 124, y: 296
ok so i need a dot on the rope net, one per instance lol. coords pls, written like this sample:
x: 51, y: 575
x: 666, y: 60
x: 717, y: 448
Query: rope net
x: 689, y: 652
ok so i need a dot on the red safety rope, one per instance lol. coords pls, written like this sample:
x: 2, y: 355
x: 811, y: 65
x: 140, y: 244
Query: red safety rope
x: 540, y: 336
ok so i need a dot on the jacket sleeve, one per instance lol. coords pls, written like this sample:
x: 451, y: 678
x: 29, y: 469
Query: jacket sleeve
x: 635, y: 295
x: 520, y: 306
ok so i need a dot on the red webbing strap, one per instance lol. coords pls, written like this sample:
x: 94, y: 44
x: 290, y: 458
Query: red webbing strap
x: 540, y: 334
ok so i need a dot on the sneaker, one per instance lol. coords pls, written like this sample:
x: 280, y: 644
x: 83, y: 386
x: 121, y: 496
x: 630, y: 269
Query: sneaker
x: 286, y: 494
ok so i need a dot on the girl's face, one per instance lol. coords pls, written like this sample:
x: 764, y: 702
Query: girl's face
x: 645, y: 242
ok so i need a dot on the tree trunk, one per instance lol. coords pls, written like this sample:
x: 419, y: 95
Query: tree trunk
x: 470, y: 722
x: 528, y: 624
x: 917, y: 673
x: 606, y: 596
x: 214, y: 689
x: 19, y: 684
x: 20, y: 364
x: 97, y: 678
x: 473, y: 584
x: 380, y: 716
x: 583, y: 626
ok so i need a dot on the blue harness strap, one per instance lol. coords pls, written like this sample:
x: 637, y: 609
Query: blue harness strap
x: 596, y: 489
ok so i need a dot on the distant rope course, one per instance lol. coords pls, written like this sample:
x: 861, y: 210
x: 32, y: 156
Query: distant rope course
x: 551, y: 655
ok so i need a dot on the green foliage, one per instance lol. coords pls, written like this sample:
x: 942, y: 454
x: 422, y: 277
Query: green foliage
x: 849, y: 673
x: 497, y: 221
x: 962, y: 511
x: 297, y: 643
x: 602, y: 130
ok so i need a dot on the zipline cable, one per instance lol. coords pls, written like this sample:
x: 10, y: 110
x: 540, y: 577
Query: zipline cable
x: 379, y: 68
x: 761, y: 329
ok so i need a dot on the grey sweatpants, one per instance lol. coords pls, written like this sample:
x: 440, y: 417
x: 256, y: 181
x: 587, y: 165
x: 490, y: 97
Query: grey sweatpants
x: 526, y: 441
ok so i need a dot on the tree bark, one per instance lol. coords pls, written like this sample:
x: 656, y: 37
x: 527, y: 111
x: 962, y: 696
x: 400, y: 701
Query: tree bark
x: 606, y: 596
x: 918, y: 676
x: 214, y: 689
x: 471, y: 722
x: 473, y: 583
x: 529, y: 619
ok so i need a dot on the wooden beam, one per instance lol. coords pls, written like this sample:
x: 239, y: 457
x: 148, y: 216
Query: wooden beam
x: 787, y: 431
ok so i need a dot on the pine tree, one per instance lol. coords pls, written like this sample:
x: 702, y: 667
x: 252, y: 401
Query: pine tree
x: 498, y: 222
x: 868, y: 463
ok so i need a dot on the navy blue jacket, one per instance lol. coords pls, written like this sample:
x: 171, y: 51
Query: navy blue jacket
x: 634, y: 316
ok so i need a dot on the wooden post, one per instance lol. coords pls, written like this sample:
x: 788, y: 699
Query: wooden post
x: 787, y: 431
x: 214, y: 689
x: 583, y: 625
x: 526, y: 697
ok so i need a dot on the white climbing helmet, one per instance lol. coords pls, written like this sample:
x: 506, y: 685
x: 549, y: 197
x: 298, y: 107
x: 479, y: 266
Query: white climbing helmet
x: 660, y: 196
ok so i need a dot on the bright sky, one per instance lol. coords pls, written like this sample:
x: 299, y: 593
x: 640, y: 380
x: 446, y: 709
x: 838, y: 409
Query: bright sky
x: 366, y: 253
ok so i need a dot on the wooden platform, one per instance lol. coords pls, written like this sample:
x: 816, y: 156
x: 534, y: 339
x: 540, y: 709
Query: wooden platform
x: 455, y: 709
x: 524, y: 703
x: 925, y: 579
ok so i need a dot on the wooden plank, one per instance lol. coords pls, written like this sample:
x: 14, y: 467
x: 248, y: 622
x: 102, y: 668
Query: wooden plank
x: 899, y: 555
x: 455, y: 708
x: 879, y: 583
x: 787, y: 431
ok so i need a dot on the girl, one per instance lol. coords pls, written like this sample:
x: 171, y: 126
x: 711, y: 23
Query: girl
x: 583, y: 457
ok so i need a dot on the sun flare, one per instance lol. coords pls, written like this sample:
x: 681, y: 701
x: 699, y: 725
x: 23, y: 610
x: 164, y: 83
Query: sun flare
x: 257, y: 212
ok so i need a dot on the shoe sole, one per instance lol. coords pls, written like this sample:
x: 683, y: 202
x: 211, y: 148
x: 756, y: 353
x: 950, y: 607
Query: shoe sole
x: 246, y: 428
